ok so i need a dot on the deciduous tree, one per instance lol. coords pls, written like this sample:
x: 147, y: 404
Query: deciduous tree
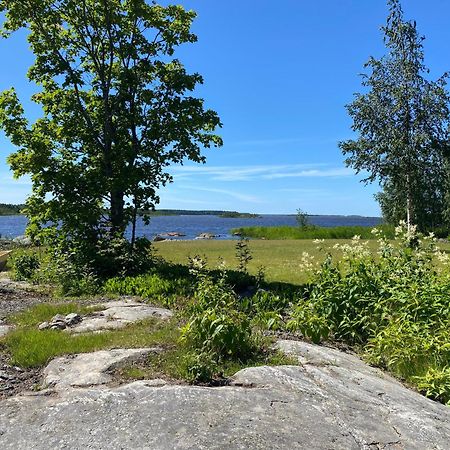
x: 402, y: 122
x: 117, y: 109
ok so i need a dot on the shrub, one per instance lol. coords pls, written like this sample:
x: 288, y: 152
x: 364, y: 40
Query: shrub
x: 216, y: 326
x: 24, y: 265
x: 152, y: 286
x: 302, y: 218
x: 243, y: 254
x: 71, y: 277
x: 200, y: 367
x: 394, y: 305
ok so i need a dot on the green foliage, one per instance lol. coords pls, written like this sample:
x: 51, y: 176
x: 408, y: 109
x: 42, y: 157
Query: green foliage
x: 394, y: 305
x: 112, y: 121
x: 243, y: 254
x: 216, y: 330
x: 436, y: 384
x: 288, y: 232
x: 302, y: 219
x: 200, y: 367
x: 402, y: 122
x: 24, y: 265
x: 78, y: 269
x: 151, y: 286
x: 215, y: 324
x: 266, y: 308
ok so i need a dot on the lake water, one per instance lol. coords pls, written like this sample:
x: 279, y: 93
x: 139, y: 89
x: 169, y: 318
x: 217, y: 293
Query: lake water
x: 192, y: 226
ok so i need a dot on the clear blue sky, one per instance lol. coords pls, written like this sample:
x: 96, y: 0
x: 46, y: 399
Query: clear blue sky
x: 279, y: 74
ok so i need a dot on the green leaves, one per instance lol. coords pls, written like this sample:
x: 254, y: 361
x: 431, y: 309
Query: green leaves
x: 117, y: 110
x: 393, y: 305
x: 402, y: 126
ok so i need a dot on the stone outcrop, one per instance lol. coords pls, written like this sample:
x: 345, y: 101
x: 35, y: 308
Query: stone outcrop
x: 89, y: 369
x: 118, y: 314
x: 206, y: 236
x: 332, y: 400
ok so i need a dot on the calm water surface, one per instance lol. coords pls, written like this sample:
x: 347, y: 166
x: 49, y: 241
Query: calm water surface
x: 192, y: 226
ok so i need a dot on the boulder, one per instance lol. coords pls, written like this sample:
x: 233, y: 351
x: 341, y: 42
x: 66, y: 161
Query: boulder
x: 118, y: 314
x: 206, y: 236
x: 172, y: 234
x: 60, y: 322
x: 89, y: 369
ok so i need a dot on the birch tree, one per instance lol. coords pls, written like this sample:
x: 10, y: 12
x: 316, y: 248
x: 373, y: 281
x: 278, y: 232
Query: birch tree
x: 401, y: 121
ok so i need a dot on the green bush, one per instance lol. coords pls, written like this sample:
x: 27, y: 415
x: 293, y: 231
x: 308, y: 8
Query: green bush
x: 70, y: 277
x: 200, y: 367
x: 24, y: 265
x: 394, y: 305
x: 215, y: 325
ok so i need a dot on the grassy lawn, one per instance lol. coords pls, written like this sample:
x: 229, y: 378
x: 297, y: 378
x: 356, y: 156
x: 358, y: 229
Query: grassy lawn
x: 280, y: 258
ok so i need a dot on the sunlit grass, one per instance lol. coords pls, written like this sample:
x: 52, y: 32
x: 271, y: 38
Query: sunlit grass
x: 281, y: 259
x: 30, y: 347
x: 44, y: 312
x: 312, y: 232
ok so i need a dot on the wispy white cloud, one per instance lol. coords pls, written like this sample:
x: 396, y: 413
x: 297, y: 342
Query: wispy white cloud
x: 255, y: 172
x: 234, y: 194
x: 304, y: 191
x: 312, y: 173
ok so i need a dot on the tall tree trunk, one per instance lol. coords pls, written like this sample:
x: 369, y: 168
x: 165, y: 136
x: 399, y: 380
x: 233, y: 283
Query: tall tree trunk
x: 117, y: 213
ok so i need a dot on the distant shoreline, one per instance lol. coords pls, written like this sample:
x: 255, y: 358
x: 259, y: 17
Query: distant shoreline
x: 15, y: 210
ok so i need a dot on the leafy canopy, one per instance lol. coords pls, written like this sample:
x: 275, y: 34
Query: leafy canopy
x: 117, y: 109
x: 402, y: 122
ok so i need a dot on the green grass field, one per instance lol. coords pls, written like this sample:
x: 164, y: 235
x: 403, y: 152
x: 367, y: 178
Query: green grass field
x: 280, y: 258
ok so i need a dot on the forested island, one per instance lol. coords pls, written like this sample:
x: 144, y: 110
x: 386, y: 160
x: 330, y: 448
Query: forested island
x: 10, y: 210
x: 189, y: 212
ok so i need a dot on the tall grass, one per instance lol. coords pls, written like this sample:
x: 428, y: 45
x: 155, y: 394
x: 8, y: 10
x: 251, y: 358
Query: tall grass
x: 311, y: 232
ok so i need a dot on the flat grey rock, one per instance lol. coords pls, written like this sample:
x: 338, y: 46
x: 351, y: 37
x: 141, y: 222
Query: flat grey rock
x: 88, y: 369
x: 118, y: 314
x: 332, y: 401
